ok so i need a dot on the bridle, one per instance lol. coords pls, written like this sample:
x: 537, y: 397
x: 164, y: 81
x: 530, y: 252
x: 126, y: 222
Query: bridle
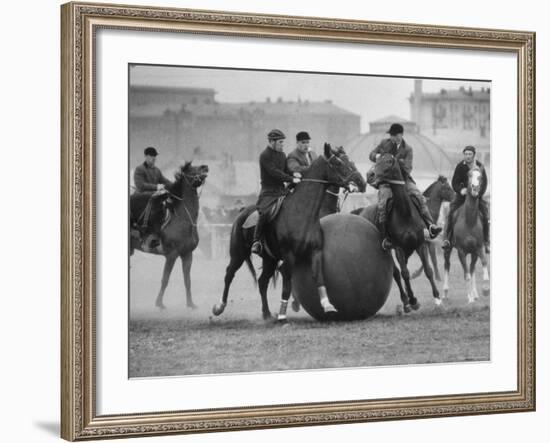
x: 341, y: 184
x: 189, y: 180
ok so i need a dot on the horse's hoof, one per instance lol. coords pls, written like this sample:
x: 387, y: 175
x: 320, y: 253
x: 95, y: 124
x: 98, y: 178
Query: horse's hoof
x: 438, y: 301
x: 192, y: 305
x: 415, y: 306
x: 407, y: 308
x: 218, y: 309
x: 281, y: 321
x: 159, y: 304
x: 267, y: 316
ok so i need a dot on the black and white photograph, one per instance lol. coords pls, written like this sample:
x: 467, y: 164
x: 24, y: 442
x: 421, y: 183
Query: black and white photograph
x: 285, y: 220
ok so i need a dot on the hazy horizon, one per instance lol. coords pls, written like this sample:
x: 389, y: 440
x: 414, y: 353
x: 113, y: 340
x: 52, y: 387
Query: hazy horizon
x: 371, y: 97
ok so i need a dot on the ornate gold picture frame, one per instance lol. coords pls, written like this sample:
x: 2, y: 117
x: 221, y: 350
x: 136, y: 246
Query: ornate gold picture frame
x: 80, y: 24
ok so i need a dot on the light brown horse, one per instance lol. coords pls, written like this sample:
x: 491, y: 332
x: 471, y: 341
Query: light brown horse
x: 467, y: 238
x: 179, y: 236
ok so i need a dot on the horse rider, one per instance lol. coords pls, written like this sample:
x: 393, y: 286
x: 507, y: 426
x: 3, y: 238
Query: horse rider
x: 301, y: 158
x: 149, y: 180
x: 274, y: 175
x: 460, y: 184
x: 403, y: 152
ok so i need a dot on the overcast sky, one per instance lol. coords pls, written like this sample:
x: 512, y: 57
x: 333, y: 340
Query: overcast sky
x: 370, y: 97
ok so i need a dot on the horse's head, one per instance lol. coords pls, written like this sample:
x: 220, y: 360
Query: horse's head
x: 190, y: 175
x: 445, y: 190
x: 341, y: 170
x: 386, y: 169
x: 475, y: 181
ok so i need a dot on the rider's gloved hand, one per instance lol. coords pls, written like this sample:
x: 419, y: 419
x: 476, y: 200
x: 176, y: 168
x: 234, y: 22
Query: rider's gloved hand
x: 463, y: 191
x: 160, y: 187
x: 297, y: 178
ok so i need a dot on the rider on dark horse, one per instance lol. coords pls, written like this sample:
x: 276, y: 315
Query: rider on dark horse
x: 403, y: 152
x: 150, y: 183
x: 274, y: 175
x: 459, y: 184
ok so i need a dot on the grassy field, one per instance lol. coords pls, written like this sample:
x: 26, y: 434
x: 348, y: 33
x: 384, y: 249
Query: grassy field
x: 180, y: 341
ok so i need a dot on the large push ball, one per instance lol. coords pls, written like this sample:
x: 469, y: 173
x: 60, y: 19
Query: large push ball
x: 358, y: 273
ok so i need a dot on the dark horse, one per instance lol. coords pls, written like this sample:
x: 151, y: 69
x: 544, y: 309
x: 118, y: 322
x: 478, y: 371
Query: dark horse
x: 467, y: 238
x: 179, y: 236
x: 295, y: 235
x: 438, y: 192
x: 405, y: 227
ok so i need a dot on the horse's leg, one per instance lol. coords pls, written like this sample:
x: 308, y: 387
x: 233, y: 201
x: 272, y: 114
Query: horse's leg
x: 186, y: 262
x: 170, y: 259
x: 268, y: 269
x: 235, y: 262
x: 473, y: 262
x: 433, y: 256
x: 286, y: 274
x: 422, y: 251
x: 319, y: 279
x: 485, y: 263
x: 402, y: 259
x: 402, y: 293
x: 467, y: 276
x: 447, y: 268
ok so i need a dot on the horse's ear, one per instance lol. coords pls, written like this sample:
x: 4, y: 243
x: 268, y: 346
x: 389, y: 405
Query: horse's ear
x: 186, y: 166
x: 442, y: 178
x: 328, y: 150
x: 340, y: 150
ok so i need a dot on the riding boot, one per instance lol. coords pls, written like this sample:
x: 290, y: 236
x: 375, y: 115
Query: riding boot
x: 447, y: 231
x: 258, y: 233
x: 433, y: 229
x: 486, y: 236
x: 383, y: 228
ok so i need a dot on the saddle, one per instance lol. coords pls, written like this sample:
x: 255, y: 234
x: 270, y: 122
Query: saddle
x: 252, y: 219
x: 155, y: 214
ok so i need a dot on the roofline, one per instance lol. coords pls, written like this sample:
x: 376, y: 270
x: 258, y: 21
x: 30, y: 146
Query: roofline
x: 149, y: 88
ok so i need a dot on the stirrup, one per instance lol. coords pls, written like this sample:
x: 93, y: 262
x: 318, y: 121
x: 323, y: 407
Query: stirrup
x: 446, y: 244
x: 434, y: 231
x: 256, y: 247
x: 386, y: 244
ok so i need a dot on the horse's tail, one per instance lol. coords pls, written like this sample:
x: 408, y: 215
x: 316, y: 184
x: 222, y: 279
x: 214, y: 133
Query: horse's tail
x: 251, y: 269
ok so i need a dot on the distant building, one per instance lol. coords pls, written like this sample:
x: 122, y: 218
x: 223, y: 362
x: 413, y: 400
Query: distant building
x: 429, y: 159
x: 454, y: 118
x: 186, y: 123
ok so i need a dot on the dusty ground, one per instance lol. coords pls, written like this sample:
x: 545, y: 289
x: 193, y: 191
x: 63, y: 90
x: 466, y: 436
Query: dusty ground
x: 180, y: 341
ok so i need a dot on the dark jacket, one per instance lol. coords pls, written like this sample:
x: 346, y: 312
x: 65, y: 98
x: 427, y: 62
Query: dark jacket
x: 460, y: 177
x: 404, y: 155
x: 273, y: 171
x: 298, y: 161
x: 146, y: 178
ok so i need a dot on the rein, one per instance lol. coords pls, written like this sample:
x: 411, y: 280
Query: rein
x: 395, y: 182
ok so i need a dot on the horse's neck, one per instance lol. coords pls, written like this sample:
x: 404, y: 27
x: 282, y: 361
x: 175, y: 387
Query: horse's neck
x: 401, y: 200
x: 471, y: 208
x: 188, y: 205
x: 330, y: 201
x: 307, y: 199
x: 308, y: 196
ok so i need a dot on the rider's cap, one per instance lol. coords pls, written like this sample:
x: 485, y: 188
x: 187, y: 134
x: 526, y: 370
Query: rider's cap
x: 469, y: 148
x: 396, y: 128
x: 276, y: 134
x: 151, y: 151
x: 302, y: 136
